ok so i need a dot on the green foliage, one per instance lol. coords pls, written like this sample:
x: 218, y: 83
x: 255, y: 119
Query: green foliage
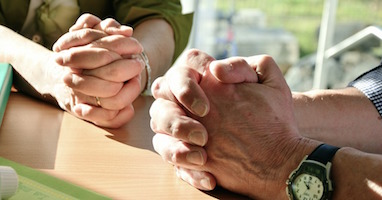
x: 303, y: 17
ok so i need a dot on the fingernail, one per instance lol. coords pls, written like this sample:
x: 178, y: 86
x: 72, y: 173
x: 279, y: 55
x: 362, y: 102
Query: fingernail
x: 205, y: 182
x: 195, y: 157
x: 198, y: 138
x: 200, y: 108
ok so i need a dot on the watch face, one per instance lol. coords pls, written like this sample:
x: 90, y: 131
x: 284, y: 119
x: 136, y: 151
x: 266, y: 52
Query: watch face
x: 311, y: 179
x: 307, y: 187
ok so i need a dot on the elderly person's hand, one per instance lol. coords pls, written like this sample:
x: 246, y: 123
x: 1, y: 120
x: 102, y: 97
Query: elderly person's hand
x: 254, y: 145
x: 180, y: 88
x: 253, y: 140
x: 102, y: 71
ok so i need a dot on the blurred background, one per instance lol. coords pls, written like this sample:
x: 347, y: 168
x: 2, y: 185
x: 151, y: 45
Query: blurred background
x: 291, y: 32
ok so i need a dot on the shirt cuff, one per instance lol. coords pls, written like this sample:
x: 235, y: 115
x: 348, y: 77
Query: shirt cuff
x: 370, y: 83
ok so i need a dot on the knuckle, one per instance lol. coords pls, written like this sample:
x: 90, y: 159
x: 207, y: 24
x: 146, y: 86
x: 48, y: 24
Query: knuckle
x: 178, y: 128
x: 184, y: 92
x: 267, y: 59
x: 67, y: 79
x: 240, y: 61
x: 174, y: 128
x: 198, y: 60
x: 84, y: 34
x: 175, y: 155
x: 86, y: 17
x: 89, y: 36
x: 156, y: 87
x: 191, y: 53
x: 110, y: 22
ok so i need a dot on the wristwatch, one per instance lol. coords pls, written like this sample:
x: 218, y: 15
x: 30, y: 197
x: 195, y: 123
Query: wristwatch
x: 311, y: 179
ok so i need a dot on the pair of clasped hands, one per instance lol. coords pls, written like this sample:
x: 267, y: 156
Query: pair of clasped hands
x: 101, y: 71
x: 238, y: 112
x: 227, y: 122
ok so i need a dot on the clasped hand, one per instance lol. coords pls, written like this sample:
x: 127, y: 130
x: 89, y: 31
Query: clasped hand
x: 227, y: 122
x: 102, y: 72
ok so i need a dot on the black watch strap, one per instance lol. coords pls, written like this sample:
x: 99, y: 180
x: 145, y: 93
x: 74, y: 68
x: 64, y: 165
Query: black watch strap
x: 323, y: 153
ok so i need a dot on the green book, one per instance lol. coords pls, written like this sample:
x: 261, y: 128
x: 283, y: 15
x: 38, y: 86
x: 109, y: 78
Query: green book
x: 35, y: 185
x: 5, y: 87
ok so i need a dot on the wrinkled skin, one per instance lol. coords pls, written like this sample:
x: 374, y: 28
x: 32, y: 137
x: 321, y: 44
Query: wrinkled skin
x: 242, y: 127
x: 251, y: 140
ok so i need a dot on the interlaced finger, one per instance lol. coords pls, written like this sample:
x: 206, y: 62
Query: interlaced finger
x: 92, y: 86
x: 103, y: 117
x: 168, y: 118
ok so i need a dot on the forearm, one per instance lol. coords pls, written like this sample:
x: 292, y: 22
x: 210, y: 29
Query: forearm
x: 157, y: 38
x: 28, y: 60
x: 356, y: 175
x: 340, y: 117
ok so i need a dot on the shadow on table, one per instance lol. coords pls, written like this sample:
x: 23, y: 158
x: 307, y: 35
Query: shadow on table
x: 34, y: 145
x: 137, y: 132
x: 223, y: 194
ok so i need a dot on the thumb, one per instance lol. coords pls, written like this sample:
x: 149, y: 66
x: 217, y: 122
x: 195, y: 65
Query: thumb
x: 233, y: 70
x: 268, y: 71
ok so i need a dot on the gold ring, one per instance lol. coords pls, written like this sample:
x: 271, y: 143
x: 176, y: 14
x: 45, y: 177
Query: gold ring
x: 98, y: 101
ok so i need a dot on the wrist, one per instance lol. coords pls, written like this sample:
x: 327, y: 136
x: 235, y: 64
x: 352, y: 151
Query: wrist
x: 302, y: 110
x: 290, y: 156
x: 159, y: 61
x: 303, y: 148
x: 51, y: 86
x: 310, y: 113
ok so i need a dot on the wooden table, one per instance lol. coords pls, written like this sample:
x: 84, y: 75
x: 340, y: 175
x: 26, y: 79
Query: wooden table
x: 119, y: 163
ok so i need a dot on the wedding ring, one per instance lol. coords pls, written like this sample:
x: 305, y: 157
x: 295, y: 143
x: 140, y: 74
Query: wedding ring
x: 98, y: 101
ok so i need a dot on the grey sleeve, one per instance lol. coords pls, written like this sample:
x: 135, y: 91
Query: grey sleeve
x: 370, y: 83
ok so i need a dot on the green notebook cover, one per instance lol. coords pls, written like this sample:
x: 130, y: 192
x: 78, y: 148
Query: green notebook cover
x: 5, y: 87
x: 35, y: 185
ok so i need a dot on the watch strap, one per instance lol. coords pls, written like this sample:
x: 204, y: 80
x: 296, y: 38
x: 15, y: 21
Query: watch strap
x: 324, y: 153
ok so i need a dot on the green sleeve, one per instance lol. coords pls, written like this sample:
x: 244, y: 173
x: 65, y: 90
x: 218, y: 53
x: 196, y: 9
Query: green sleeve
x: 13, y: 13
x: 133, y: 12
x: 2, y: 20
